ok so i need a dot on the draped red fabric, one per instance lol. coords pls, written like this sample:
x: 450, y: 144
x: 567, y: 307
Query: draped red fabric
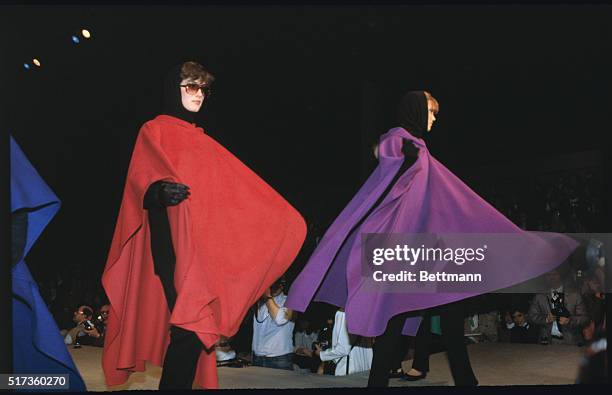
x: 233, y: 237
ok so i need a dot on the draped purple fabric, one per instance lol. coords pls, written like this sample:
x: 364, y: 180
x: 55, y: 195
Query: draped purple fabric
x: 427, y: 198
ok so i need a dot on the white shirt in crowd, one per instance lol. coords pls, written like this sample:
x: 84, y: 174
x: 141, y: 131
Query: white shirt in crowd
x: 272, y: 337
x: 360, y: 358
x: 303, y: 339
x: 69, y: 340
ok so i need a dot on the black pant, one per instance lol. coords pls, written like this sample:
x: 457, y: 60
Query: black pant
x: 185, y: 347
x: 451, y: 322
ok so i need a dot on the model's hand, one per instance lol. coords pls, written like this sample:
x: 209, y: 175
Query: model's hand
x: 409, y: 149
x: 171, y: 194
x: 550, y: 318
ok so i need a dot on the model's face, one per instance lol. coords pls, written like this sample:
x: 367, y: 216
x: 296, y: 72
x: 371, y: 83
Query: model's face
x: 192, y: 101
x: 431, y: 116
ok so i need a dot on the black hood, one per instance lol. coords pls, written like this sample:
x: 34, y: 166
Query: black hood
x: 412, y: 113
x: 172, y: 96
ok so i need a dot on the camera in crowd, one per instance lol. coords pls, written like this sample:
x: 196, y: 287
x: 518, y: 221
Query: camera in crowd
x: 88, y: 325
x: 557, y: 306
x: 324, y: 341
x: 96, y: 322
x: 281, y: 282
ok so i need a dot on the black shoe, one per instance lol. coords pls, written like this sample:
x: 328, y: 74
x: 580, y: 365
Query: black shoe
x: 396, y: 374
x: 408, y: 377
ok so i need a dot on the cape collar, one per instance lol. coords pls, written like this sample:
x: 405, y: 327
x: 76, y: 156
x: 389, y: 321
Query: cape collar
x: 175, y: 120
x: 390, y: 146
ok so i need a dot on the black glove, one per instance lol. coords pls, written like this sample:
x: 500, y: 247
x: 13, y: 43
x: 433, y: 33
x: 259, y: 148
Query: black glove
x: 164, y: 194
x: 409, y: 150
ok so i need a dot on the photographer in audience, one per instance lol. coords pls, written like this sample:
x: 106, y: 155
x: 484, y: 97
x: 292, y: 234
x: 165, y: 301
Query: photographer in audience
x: 561, y: 312
x: 99, y: 322
x: 85, y: 332
x: 303, y: 341
x: 273, y: 329
x: 347, y: 354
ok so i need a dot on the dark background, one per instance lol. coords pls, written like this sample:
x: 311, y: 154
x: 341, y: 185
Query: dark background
x: 301, y: 94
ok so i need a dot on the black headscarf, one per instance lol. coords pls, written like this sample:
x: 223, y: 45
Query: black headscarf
x: 412, y: 113
x: 172, y: 96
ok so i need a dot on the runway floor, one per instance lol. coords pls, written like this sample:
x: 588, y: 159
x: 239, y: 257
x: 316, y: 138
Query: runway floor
x: 493, y: 364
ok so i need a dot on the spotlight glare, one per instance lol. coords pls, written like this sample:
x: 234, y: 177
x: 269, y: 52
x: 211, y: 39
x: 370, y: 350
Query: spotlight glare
x: 75, y: 39
x: 36, y: 62
x: 86, y: 33
x: 26, y: 66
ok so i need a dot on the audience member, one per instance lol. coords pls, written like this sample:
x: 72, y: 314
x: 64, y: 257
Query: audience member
x: 521, y: 331
x: 349, y: 353
x: 560, y: 313
x: 273, y: 330
x: 303, y: 341
x: 84, y: 333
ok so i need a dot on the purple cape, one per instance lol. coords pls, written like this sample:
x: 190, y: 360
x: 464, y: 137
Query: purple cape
x: 427, y: 198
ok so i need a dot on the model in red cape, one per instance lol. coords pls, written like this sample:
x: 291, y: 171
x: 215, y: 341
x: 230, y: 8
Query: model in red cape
x: 198, y: 240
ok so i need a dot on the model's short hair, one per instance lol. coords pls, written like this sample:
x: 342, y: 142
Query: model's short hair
x: 433, y: 102
x: 194, y: 71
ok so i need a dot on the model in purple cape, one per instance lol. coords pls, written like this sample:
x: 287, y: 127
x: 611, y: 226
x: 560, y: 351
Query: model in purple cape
x: 411, y: 192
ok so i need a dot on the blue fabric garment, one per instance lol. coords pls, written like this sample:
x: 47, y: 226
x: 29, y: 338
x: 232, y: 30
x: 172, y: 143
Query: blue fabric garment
x: 37, y: 344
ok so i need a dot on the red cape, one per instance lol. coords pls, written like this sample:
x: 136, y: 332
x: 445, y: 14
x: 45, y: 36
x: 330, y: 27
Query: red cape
x: 233, y: 237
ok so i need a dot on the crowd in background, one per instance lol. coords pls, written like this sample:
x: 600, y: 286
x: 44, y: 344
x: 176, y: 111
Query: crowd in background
x: 571, y: 313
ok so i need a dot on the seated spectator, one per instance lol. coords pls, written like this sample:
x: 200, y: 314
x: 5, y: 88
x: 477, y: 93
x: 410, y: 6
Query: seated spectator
x: 324, y: 341
x: 85, y: 332
x: 100, y: 322
x: 350, y: 353
x: 520, y: 330
x: 103, y: 314
x: 303, y: 340
x: 305, y: 336
x: 560, y: 313
x: 482, y: 327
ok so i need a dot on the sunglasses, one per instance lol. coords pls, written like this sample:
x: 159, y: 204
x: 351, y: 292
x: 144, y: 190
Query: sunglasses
x: 192, y: 89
